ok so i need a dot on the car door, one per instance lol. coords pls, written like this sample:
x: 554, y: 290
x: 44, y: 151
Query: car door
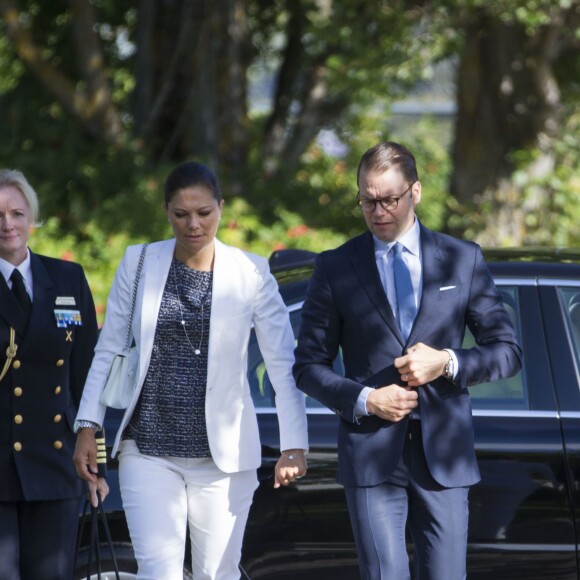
x: 521, y: 523
x: 561, y: 307
x: 304, y: 528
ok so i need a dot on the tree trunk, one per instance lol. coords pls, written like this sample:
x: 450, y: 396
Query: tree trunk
x: 92, y: 104
x: 508, y: 107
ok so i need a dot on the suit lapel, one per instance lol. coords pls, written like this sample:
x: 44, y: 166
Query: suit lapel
x: 43, y: 304
x: 365, y: 266
x: 431, y: 264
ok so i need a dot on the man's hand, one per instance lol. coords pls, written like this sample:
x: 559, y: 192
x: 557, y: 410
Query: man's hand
x: 392, y: 402
x: 421, y: 365
x: 85, y: 455
x: 287, y: 469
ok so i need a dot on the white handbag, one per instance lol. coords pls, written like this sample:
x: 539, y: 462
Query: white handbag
x: 122, y: 376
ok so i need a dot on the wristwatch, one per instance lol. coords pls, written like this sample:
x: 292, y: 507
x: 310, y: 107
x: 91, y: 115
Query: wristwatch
x: 449, y: 370
x: 82, y: 424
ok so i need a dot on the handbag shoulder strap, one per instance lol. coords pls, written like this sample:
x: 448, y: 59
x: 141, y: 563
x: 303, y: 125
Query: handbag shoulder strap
x: 134, y: 297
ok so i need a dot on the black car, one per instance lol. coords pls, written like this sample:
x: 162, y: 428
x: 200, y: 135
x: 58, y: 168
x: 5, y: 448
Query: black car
x: 523, y: 513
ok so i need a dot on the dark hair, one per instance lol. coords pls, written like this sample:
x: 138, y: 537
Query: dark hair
x: 382, y: 157
x: 190, y: 174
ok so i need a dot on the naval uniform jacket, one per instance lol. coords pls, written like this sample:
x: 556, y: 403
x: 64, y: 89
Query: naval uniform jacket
x: 41, y: 391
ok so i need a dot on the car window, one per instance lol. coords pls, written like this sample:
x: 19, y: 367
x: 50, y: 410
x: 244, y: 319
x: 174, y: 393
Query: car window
x: 503, y: 394
x: 260, y: 385
x: 510, y: 393
x: 570, y: 299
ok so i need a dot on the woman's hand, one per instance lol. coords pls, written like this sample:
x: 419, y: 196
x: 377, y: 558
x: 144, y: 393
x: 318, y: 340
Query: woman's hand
x: 290, y: 467
x: 85, y: 455
x: 102, y: 487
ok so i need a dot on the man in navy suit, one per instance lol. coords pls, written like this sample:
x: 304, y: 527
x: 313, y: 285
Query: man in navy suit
x: 397, y: 300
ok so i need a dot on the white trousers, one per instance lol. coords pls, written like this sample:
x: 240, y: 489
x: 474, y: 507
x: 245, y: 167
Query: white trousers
x: 162, y: 496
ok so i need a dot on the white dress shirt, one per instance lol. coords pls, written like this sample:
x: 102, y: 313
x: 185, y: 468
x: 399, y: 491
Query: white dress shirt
x: 25, y: 269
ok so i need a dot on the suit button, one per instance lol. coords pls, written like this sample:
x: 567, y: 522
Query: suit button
x: 17, y: 391
x: 57, y: 391
x: 17, y: 446
x: 16, y: 364
x: 18, y: 419
x: 57, y: 418
x: 59, y: 362
x: 57, y: 444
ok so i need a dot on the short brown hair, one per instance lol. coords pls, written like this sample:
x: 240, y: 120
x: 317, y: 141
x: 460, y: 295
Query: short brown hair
x: 383, y: 156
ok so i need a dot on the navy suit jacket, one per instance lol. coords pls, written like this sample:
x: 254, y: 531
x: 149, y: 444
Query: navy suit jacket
x: 346, y: 307
x: 41, y: 391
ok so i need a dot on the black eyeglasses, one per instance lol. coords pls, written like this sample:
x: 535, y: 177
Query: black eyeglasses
x: 369, y: 205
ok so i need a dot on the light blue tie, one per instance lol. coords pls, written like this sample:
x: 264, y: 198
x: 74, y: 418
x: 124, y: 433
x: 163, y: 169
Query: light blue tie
x: 406, y: 309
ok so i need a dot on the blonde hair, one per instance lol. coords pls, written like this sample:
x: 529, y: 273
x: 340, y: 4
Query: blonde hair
x: 16, y: 179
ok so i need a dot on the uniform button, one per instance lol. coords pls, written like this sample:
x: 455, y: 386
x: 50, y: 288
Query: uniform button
x: 17, y: 446
x: 57, y: 418
x: 18, y: 419
x: 17, y: 391
x: 59, y: 362
x: 57, y: 391
x: 57, y: 444
x: 16, y: 364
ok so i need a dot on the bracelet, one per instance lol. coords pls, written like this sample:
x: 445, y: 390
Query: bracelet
x: 293, y: 456
x: 83, y: 424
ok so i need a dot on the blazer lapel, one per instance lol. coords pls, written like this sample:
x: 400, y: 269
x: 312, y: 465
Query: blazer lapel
x: 365, y: 266
x: 431, y: 264
x: 43, y: 303
x: 153, y: 279
x: 222, y: 290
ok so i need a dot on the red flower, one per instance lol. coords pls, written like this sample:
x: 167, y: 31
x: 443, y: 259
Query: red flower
x: 298, y: 231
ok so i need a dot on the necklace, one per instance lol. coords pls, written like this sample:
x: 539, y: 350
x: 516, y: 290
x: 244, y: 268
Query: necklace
x: 196, y: 351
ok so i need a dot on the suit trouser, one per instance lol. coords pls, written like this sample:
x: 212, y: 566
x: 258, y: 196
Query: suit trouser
x: 38, y: 539
x: 162, y: 496
x: 437, y: 519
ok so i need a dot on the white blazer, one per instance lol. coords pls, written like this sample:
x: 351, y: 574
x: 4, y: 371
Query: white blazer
x: 244, y: 292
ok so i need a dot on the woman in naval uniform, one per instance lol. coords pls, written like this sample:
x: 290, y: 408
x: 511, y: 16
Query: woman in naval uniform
x: 48, y: 331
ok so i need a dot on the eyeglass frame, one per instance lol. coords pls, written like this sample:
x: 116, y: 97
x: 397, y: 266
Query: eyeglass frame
x: 382, y: 200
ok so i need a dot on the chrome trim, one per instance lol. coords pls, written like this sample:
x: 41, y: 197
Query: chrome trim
x: 502, y: 547
x: 558, y: 282
x: 570, y: 415
x: 295, y: 306
x: 501, y: 281
x: 515, y: 414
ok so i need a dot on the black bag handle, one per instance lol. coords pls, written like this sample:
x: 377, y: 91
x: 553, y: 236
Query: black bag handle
x: 94, y: 543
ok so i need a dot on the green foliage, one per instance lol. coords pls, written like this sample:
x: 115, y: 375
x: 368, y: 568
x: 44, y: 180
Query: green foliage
x: 98, y: 197
x: 98, y: 252
x: 556, y: 214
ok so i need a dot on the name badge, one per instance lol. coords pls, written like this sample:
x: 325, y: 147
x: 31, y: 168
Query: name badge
x: 66, y: 318
x: 65, y: 301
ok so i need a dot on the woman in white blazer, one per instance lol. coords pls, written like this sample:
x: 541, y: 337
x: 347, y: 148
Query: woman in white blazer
x: 188, y: 443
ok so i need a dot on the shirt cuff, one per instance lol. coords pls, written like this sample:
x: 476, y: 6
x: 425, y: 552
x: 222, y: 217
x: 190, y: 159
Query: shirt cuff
x: 360, y: 409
